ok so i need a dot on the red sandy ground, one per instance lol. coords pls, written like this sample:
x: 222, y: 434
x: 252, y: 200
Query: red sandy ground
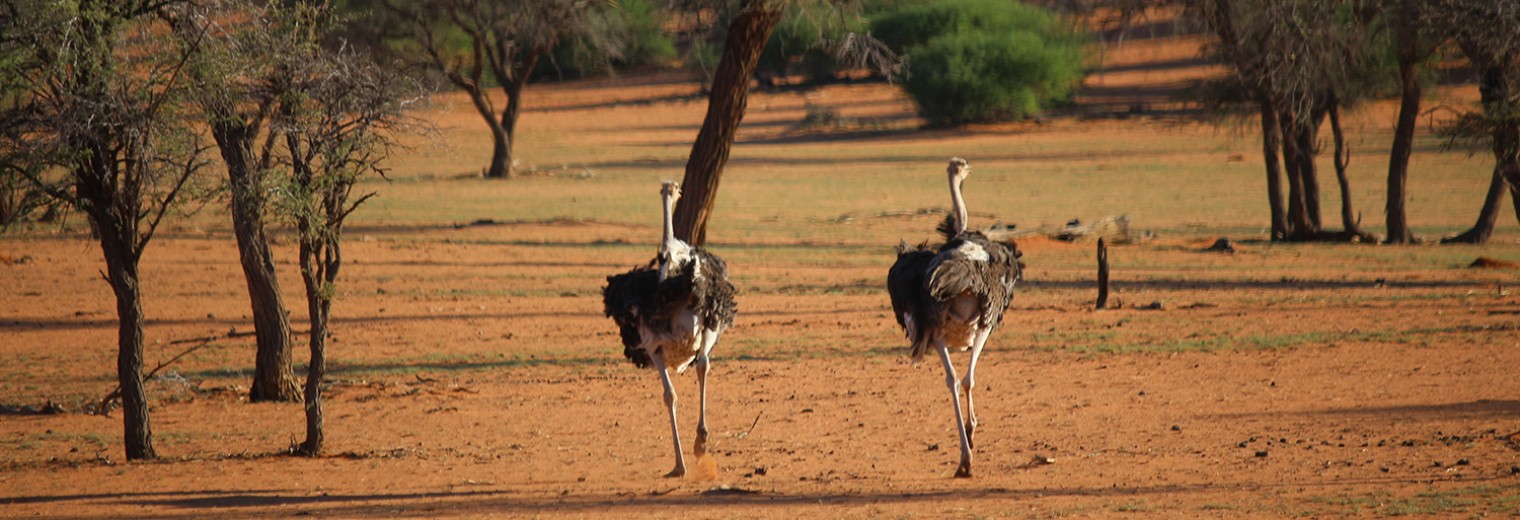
x: 556, y: 429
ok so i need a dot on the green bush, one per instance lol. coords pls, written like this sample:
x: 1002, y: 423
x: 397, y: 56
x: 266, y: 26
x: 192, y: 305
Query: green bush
x: 647, y: 42
x: 915, y: 24
x: 975, y: 61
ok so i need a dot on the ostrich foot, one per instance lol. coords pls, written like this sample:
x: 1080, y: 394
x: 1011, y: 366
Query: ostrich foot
x: 964, y: 471
x: 679, y: 472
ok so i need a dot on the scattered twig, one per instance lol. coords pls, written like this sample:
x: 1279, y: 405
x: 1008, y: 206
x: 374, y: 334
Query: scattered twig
x: 745, y: 433
x: 201, y: 342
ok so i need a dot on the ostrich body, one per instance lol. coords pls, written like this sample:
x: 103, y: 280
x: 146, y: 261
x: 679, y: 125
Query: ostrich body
x: 954, y: 297
x: 670, y: 314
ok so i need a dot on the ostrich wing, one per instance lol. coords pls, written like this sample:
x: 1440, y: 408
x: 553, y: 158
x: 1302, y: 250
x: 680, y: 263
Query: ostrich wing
x: 905, y: 284
x: 628, y: 299
x: 973, y: 264
x: 712, y: 295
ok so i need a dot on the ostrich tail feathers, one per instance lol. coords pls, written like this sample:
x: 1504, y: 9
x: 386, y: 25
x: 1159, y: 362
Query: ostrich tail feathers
x: 947, y: 227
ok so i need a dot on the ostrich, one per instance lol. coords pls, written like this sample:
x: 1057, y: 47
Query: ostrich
x: 954, y: 297
x: 670, y: 314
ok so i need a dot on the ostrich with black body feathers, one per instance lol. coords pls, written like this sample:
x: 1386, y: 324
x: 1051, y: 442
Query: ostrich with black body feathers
x: 954, y: 297
x: 670, y: 314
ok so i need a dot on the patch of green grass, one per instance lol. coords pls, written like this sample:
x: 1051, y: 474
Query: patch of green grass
x: 1429, y: 503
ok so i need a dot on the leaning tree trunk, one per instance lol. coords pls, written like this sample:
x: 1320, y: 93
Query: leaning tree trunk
x: 121, y: 263
x: 1271, y: 145
x: 1487, y: 217
x: 1349, y: 219
x: 725, y: 109
x: 273, y: 379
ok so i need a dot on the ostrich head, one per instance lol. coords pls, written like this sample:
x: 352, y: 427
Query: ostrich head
x: 671, y: 190
x: 958, y: 170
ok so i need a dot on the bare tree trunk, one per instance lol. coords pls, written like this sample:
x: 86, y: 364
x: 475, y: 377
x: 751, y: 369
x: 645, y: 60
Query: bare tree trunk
x: 1308, y: 138
x: 1514, y: 196
x: 1349, y: 220
x: 273, y: 379
x: 501, y: 140
x: 1403, y: 137
x: 725, y: 109
x: 319, y: 306
x: 1271, y: 145
x: 1299, y: 225
x: 501, y: 153
x: 1487, y: 217
x: 121, y: 263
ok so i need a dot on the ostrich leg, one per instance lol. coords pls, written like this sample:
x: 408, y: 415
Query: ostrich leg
x: 964, y: 470
x: 702, y: 367
x: 970, y: 382
x: 670, y: 402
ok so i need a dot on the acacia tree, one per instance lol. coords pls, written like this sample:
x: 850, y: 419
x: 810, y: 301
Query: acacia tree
x: 1488, y: 34
x: 335, y: 119
x: 478, y: 43
x: 238, y: 75
x: 1294, y: 59
x: 95, y: 126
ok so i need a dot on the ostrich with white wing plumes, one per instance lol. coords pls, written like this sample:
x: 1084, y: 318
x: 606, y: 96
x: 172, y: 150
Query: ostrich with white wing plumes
x: 953, y: 298
x: 670, y: 314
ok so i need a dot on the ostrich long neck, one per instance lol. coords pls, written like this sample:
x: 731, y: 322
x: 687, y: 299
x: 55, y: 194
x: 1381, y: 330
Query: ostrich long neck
x: 958, y: 205
x: 669, y: 203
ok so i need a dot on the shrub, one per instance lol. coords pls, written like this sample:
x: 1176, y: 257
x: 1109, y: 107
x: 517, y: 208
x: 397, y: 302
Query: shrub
x: 982, y: 60
x: 647, y: 42
x: 916, y: 24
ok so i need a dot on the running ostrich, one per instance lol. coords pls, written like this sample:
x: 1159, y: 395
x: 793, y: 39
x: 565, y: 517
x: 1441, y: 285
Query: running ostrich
x: 954, y: 298
x: 670, y: 314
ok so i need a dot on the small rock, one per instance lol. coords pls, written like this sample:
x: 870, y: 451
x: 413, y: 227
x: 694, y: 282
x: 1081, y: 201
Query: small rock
x: 1383, y: 469
x: 1152, y: 306
x: 1463, y: 462
x: 933, y: 447
x: 1041, y: 460
x: 1176, y: 427
x: 1261, y: 454
x: 760, y: 471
